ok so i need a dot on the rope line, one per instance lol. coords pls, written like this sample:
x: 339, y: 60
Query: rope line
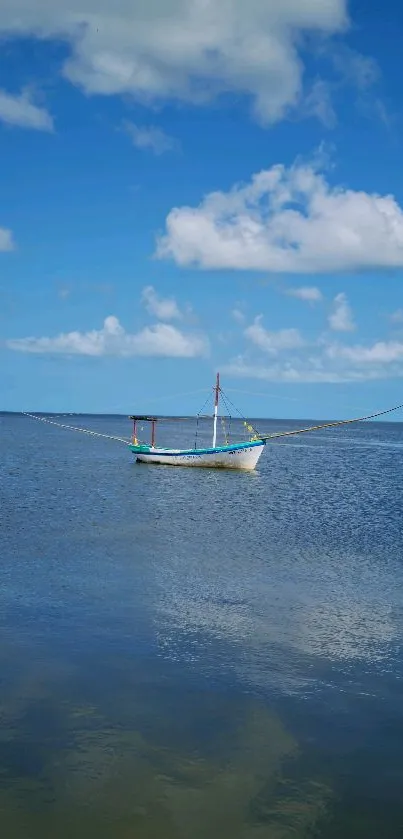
x: 329, y: 424
x: 225, y: 399
x: 75, y: 428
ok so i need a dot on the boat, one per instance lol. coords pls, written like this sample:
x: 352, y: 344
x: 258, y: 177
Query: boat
x: 240, y: 455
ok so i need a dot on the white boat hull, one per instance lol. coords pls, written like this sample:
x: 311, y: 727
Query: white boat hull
x: 239, y: 456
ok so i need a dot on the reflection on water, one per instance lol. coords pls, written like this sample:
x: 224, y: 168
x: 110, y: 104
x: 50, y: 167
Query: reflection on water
x: 210, y: 766
x: 200, y: 654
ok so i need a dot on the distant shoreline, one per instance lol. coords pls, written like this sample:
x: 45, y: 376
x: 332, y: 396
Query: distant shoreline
x: 177, y: 417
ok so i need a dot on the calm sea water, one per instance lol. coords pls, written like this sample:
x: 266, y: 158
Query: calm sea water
x: 190, y: 654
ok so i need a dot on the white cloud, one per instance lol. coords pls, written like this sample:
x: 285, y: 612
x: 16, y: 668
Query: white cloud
x: 163, y: 308
x: 323, y: 362
x: 21, y: 110
x: 318, y: 370
x: 273, y: 342
x: 310, y: 294
x: 151, y: 138
x: 285, y: 356
x: 341, y: 316
x: 162, y: 340
x: 238, y: 315
x: 6, y: 239
x: 360, y: 70
x: 318, y: 103
x: 291, y: 372
x: 190, y: 50
x: 287, y: 220
x: 380, y: 353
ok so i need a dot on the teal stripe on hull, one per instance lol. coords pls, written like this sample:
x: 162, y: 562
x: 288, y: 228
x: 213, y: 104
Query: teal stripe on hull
x: 169, y: 453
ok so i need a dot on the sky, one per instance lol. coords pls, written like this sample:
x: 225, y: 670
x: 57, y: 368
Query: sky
x: 198, y: 185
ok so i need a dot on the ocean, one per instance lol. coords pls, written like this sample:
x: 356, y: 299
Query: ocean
x: 196, y: 654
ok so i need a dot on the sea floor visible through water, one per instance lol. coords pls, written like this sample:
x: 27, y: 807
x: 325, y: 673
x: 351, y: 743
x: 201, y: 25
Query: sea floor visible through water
x: 200, y: 654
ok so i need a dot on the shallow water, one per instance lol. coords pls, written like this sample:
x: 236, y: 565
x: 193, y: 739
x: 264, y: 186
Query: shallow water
x: 190, y: 653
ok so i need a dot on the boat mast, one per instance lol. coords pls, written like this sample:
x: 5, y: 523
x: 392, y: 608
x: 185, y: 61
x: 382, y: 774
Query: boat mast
x: 217, y: 394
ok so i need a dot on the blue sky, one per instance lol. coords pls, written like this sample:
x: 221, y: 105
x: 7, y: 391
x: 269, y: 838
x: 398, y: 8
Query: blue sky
x: 196, y: 186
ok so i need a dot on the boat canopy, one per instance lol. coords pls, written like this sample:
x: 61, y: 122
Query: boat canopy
x: 141, y: 418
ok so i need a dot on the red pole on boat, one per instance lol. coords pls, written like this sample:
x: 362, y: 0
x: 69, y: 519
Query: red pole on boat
x: 217, y: 390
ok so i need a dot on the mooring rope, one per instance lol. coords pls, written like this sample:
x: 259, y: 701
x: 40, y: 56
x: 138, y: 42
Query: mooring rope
x: 75, y: 428
x: 250, y: 427
x: 328, y: 424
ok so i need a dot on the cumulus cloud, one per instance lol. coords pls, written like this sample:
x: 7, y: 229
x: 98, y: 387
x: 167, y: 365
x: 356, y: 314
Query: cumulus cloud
x: 6, y: 239
x: 331, y: 365
x: 310, y: 294
x: 287, y: 220
x: 189, y: 50
x: 380, y: 353
x: 341, y: 316
x: 163, y: 308
x: 286, y: 356
x: 21, y: 110
x: 161, y: 339
x: 323, y: 362
x: 275, y: 341
x: 151, y: 138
